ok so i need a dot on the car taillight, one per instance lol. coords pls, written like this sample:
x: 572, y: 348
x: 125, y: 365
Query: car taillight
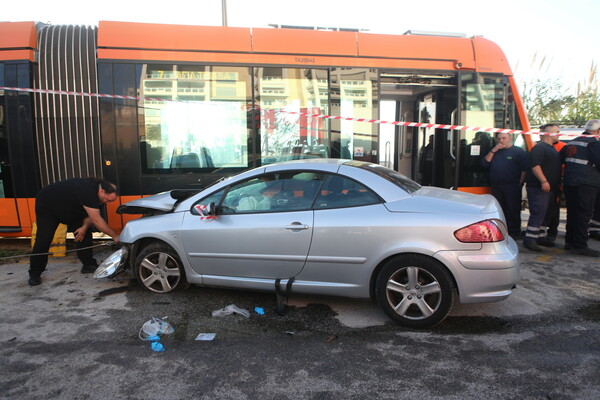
x: 481, y: 232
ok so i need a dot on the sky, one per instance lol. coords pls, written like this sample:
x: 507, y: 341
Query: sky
x: 543, y: 39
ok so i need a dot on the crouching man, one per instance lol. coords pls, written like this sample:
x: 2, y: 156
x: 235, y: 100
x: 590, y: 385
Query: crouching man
x: 76, y: 203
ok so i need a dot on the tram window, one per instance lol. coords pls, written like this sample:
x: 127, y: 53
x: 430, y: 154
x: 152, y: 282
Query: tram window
x: 204, y: 123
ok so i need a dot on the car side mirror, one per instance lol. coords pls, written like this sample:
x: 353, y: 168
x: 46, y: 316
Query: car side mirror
x: 211, y: 209
x: 208, y: 210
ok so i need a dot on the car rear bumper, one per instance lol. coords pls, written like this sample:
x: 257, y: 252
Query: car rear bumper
x: 486, y: 275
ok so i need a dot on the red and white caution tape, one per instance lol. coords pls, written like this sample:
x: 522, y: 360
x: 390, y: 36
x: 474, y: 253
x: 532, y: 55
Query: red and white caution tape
x: 203, y: 211
x: 85, y: 94
x: 319, y: 116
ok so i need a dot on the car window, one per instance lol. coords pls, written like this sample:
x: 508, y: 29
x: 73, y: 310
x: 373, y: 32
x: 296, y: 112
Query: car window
x: 212, y: 198
x: 274, y: 192
x: 403, y: 182
x: 339, y: 191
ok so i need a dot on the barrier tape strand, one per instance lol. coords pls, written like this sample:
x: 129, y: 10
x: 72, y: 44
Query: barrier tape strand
x: 57, y: 252
x: 318, y: 116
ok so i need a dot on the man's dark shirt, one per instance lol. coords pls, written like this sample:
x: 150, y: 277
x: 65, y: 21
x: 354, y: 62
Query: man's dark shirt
x: 575, y: 175
x: 67, y: 198
x: 506, y: 165
x: 546, y: 156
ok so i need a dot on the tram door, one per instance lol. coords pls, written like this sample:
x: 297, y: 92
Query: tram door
x: 426, y: 155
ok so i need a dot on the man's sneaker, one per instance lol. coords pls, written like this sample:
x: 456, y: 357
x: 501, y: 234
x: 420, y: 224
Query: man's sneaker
x: 89, y: 268
x: 531, y: 245
x: 546, y: 242
x: 34, y: 280
x: 586, y: 252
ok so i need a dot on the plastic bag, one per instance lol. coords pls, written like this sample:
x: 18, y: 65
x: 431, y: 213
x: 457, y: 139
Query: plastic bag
x: 157, y: 346
x: 230, y: 309
x: 155, y: 327
x: 206, y: 336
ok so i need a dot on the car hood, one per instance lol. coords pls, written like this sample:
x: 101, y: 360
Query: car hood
x: 162, y: 202
x: 159, y: 203
x: 431, y: 199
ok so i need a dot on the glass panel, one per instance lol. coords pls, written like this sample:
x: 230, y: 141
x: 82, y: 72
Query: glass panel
x: 403, y: 182
x: 283, y: 93
x: 354, y: 94
x: 339, y: 191
x: 284, y: 191
x: 202, y: 125
x: 4, y: 160
x: 482, y: 105
x: 512, y: 115
x: 213, y: 198
x: 3, y: 137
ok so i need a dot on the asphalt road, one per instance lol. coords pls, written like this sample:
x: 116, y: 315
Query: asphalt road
x: 70, y: 339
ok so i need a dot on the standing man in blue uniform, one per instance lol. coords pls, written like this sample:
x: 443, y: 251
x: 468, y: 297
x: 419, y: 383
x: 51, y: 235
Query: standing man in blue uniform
x: 581, y: 182
x: 76, y: 203
x: 508, y: 166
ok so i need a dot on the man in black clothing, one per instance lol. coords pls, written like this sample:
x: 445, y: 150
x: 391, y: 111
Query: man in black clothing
x: 76, y: 203
x: 581, y: 157
x: 543, y: 181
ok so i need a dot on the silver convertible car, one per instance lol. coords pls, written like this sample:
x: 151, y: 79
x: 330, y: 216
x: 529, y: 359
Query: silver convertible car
x: 325, y: 227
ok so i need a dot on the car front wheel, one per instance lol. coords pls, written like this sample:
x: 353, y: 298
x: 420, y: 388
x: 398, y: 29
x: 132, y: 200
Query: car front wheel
x: 158, y: 268
x: 415, y: 291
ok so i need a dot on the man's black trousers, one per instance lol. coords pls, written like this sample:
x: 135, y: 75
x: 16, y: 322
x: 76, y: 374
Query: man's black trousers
x: 580, y: 208
x: 509, y: 197
x: 46, y: 227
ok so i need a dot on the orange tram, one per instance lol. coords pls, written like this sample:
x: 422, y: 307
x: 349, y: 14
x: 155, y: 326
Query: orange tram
x: 209, y: 102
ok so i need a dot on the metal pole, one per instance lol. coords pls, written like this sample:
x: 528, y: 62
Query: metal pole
x: 224, y: 11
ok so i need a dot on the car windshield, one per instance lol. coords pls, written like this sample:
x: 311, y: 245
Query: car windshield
x: 403, y: 182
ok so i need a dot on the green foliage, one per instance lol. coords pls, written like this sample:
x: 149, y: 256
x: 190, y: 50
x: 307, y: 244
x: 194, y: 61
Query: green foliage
x: 547, y: 101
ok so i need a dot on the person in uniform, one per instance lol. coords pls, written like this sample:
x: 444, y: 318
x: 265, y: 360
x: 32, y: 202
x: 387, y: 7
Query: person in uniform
x: 508, y: 166
x: 581, y: 181
x: 543, y: 181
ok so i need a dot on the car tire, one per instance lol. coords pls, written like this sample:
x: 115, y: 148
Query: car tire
x: 416, y: 291
x: 159, y: 269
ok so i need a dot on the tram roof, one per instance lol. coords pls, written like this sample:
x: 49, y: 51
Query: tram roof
x: 17, y: 40
x: 270, y: 46
x: 121, y: 40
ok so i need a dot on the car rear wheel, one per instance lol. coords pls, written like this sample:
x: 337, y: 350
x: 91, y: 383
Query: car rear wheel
x: 158, y: 268
x: 415, y: 291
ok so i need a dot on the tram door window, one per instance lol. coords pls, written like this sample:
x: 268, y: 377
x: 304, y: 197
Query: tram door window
x: 426, y: 155
x: 483, y: 103
x: 355, y: 94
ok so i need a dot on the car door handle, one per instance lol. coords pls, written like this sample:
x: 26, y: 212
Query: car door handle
x: 296, y: 226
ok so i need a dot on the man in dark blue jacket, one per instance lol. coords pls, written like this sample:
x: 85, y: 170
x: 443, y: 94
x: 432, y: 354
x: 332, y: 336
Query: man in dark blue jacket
x: 508, y: 166
x: 581, y: 181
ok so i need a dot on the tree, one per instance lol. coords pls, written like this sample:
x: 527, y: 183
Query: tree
x: 586, y: 104
x: 546, y: 100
